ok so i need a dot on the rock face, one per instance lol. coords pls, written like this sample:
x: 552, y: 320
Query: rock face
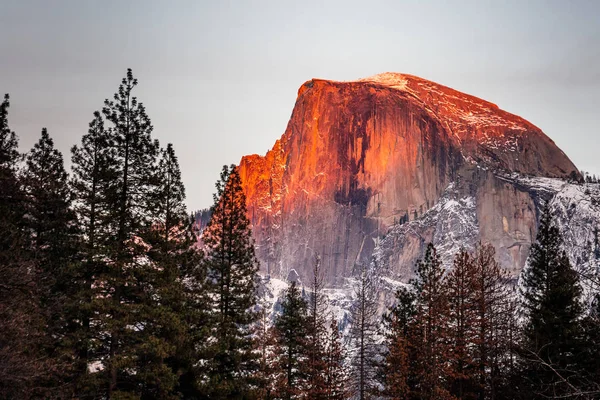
x: 363, y: 159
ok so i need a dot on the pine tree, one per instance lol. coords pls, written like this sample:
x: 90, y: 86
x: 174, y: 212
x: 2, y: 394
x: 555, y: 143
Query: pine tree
x: 363, y: 336
x: 127, y: 355
x: 92, y: 186
x: 93, y: 174
x: 494, y: 314
x: 461, y: 315
x: 21, y: 318
x: 52, y: 228
x: 397, y: 370
x: 315, y: 335
x: 510, y: 380
x: 431, y: 335
x: 336, y: 373
x: 291, y: 344
x: 50, y: 220
x: 397, y: 361
x: 232, y: 269
x: 590, y: 353
x: 179, y: 312
x: 266, y: 343
x: 551, y: 302
x: 196, y: 317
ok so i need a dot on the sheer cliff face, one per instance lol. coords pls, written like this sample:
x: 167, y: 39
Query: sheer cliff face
x: 360, y: 157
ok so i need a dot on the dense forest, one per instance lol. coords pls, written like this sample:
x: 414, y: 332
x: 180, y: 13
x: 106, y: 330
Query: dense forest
x: 107, y: 292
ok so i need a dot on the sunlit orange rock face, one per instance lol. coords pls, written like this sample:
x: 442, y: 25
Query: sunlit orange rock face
x: 358, y: 157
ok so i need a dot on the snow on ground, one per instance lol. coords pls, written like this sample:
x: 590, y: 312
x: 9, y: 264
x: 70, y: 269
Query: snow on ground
x: 453, y: 218
x: 271, y: 292
x: 454, y: 222
x: 576, y: 209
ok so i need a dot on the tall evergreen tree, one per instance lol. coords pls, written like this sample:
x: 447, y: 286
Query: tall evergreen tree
x: 232, y: 270
x: 52, y: 227
x: 363, y: 334
x: 290, y: 329
x: 461, y: 315
x: 141, y: 282
x: 92, y: 185
x: 551, y: 302
x: 590, y: 354
x: 315, y: 335
x: 21, y: 318
x: 180, y: 314
x: 127, y: 354
x: 50, y: 220
x: 492, y: 323
x: 396, y: 373
x: 94, y: 171
x: 266, y: 346
x: 431, y: 333
x: 336, y: 372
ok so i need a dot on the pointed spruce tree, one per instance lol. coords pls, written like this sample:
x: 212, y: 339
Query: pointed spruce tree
x: 290, y: 329
x: 315, y: 334
x: 94, y: 172
x: 53, y: 232
x: 336, y: 370
x: 492, y: 323
x: 127, y: 356
x: 551, y: 301
x: 590, y: 353
x: 232, y: 271
x: 461, y: 334
x: 137, y: 352
x: 431, y: 332
x: 396, y: 373
x: 266, y: 345
x: 180, y: 314
x: 50, y: 220
x: 22, y: 322
x: 363, y: 331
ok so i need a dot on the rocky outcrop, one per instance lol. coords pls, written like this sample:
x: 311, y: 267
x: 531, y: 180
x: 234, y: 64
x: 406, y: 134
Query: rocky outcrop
x: 360, y: 158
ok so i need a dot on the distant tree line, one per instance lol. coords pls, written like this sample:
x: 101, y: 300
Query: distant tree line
x: 471, y: 333
x: 106, y: 293
x: 589, y: 178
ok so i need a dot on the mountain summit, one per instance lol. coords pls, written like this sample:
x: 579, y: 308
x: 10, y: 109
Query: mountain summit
x: 362, y: 159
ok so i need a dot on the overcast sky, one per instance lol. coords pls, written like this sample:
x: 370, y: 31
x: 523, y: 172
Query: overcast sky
x: 219, y: 78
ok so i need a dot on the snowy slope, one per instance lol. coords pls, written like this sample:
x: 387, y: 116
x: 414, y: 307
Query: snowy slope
x: 452, y: 223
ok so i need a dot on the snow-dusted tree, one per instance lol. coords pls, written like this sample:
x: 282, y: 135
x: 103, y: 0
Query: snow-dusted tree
x: 363, y: 336
x: 290, y: 352
x: 336, y: 371
x: 316, y: 330
x: 553, y: 329
x: 590, y: 352
x: 267, y: 372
